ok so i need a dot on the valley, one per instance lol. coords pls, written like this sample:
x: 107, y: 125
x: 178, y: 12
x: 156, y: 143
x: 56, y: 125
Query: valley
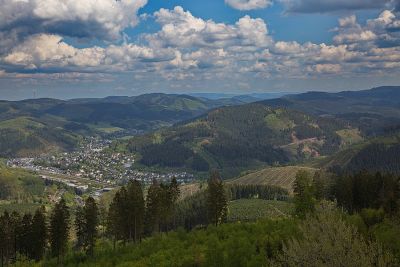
x: 273, y: 161
x: 213, y: 133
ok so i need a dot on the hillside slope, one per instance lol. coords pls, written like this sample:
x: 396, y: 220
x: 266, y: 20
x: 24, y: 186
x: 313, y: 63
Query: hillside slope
x: 31, y: 127
x: 283, y: 177
x: 240, y: 137
x: 380, y: 154
x: 372, y: 110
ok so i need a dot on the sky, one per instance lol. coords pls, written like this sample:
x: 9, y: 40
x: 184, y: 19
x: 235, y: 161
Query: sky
x: 95, y: 48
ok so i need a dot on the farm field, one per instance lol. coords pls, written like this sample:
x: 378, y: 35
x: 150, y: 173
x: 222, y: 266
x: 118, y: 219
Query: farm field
x: 278, y: 176
x: 254, y: 209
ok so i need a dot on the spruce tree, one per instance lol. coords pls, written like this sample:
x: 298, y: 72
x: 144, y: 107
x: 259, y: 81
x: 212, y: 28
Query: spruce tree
x: 174, y: 193
x: 304, y: 194
x: 15, y: 221
x: 25, y: 236
x: 79, y: 227
x: 216, y: 199
x: 91, y: 222
x: 135, y: 210
x: 115, y: 218
x: 39, y: 234
x: 153, y: 207
x: 6, y: 239
x: 59, y: 230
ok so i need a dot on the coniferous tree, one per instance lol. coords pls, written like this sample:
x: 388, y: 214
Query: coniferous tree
x: 91, y: 222
x: 153, y: 208
x: 79, y: 227
x: 25, y: 236
x: 103, y: 214
x: 304, y: 194
x: 174, y: 193
x: 59, y: 229
x: 6, y: 239
x: 135, y: 210
x: 15, y: 221
x: 116, y: 223
x: 174, y: 190
x: 39, y: 234
x: 216, y: 199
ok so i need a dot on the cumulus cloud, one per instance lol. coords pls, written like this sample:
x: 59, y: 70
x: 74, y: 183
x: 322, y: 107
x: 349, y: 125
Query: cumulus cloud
x: 248, y: 4
x: 179, y: 28
x: 45, y: 52
x: 102, y: 19
x: 324, y: 6
x: 191, y: 48
x: 383, y: 31
x: 327, y: 68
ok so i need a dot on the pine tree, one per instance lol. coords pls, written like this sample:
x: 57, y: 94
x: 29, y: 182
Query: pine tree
x: 91, y: 222
x: 39, y: 234
x: 216, y: 199
x: 135, y: 210
x: 174, y: 190
x: 174, y: 193
x: 25, y: 235
x: 304, y: 194
x: 115, y: 218
x: 15, y: 221
x: 153, y: 208
x: 79, y: 227
x: 6, y: 240
x: 59, y: 230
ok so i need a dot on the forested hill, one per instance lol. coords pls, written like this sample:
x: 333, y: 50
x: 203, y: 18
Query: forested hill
x: 372, y: 110
x: 379, y: 154
x: 35, y: 126
x: 240, y: 137
x: 142, y: 112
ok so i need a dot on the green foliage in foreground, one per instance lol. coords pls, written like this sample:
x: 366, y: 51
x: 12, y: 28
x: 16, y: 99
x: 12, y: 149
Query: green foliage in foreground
x: 326, y: 238
x: 226, y: 245
x: 254, y: 209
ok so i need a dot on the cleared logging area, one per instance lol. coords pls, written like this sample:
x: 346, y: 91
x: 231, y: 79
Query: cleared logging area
x: 278, y: 176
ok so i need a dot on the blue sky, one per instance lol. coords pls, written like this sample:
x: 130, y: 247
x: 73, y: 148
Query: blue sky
x: 95, y: 48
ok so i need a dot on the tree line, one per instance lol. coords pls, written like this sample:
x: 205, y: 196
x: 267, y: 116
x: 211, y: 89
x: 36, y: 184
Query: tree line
x: 131, y: 217
x: 354, y: 193
x: 267, y: 192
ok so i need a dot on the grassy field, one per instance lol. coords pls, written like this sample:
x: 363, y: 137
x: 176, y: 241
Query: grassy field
x: 254, y: 209
x: 278, y: 176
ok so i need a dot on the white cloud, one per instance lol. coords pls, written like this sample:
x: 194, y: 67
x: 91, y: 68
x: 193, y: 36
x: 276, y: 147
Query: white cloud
x: 248, y: 4
x: 181, y: 29
x: 103, y: 19
x: 50, y: 52
x: 192, y: 49
x: 327, y: 68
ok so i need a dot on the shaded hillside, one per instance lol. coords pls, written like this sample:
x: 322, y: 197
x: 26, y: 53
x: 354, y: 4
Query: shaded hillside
x: 283, y: 177
x: 31, y: 127
x: 240, y: 137
x: 372, y: 110
x: 381, y: 154
x: 25, y: 136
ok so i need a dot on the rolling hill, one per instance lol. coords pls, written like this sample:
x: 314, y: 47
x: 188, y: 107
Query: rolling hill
x: 31, y: 127
x: 371, y: 110
x: 19, y: 185
x: 241, y: 137
x: 379, y: 154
